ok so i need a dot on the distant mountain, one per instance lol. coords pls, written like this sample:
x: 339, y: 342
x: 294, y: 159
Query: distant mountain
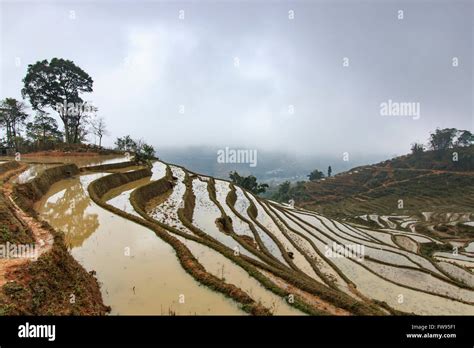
x: 272, y: 167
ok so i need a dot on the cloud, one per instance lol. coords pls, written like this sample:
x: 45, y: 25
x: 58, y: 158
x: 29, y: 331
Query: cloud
x: 147, y: 65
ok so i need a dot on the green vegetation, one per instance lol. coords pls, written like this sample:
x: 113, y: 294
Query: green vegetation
x: 443, y: 139
x: 11, y: 229
x: 12, y: 118
x: 316, y: 175
x: 449, y: 149
x: 287, y: 191
x: 125, y: 143
x: 428, y: 249
x: 417, y: 149
x: 58, y: 84
x: 143, y: 152
x: 436, y: 178
x: 43, y: 131
x: 248, y: 183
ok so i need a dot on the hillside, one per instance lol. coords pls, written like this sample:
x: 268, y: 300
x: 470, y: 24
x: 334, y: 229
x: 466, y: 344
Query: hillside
x: 428, y: 192
x: 254, y: 256
x: 41, y: 282
x: 165, y: 240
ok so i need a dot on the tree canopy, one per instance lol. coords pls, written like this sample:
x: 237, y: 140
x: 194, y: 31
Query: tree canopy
x: 125, y: 143
x: 315, y: 175
x: 248, y: 183
x: 442, y: 139
x: 58, y: 84
x: 12, y: 118
x: 43, y: 130
x: 142, y: 151
x: 417, y: 148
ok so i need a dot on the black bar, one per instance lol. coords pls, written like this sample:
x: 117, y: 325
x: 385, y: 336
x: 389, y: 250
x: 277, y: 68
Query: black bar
x: 215, y: 330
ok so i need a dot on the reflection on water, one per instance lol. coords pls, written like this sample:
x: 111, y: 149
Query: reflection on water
x: 80, y: 161
x: 30, y: 173
x: 212, y: 261
x: 102, y: 161
x: 223, y: 268
x: 68, y: 206
x: 469, y: 248
x: 139, y: 273
x: 120, y: 197
x: 158, y: 170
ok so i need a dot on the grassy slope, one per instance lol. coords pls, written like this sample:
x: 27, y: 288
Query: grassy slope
x: 430, y: 182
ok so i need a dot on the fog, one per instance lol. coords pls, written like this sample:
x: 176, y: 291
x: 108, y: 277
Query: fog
x: 304, y: 78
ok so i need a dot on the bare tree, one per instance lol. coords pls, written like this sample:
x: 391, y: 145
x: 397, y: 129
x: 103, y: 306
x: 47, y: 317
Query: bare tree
x: 99, y: 128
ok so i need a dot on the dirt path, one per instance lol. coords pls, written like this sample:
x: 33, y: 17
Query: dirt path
x: 43, y: 238
x: 432, y: 171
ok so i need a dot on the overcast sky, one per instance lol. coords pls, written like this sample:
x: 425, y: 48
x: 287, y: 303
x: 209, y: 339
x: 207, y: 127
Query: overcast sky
x: 147, y: 63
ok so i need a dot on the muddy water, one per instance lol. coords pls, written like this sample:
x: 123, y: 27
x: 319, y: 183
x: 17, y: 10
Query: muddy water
x: 120, y: 197
x: 458, y: 273
x: 90, y: 161
x: 230, y: 272
x: 399, y: 297
x: 240, y: 227
x: 139, y: 273
x: 158, y: 170
x: 470, y: 247
x: 204, y: 217
x: 298, y: 259
x: 241, y: 205
x: 167, y: 211
x: 78, y: 160
x: 396, y: 256
x: 213, y: 262
x: 406, y: 243
x: 30, y: 173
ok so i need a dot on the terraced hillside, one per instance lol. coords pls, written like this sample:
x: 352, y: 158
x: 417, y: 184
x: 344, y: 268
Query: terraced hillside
x: 164, y: 240
x: 42, y: 281
x: 429, y: 193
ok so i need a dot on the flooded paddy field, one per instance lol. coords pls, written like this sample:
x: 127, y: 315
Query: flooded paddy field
x: 267, y: 250
x: 139, y: 273
x: 80, y: 161
x: 32, y: 172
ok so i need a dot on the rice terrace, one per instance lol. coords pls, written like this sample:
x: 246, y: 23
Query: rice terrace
x: 189, y: 186
x: 253, y: 255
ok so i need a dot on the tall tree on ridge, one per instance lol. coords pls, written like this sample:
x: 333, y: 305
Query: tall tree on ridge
x: 58, y: 85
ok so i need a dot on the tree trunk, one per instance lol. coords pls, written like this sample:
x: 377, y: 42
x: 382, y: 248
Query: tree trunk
x: 9, y: 135
x: 15, y: 142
